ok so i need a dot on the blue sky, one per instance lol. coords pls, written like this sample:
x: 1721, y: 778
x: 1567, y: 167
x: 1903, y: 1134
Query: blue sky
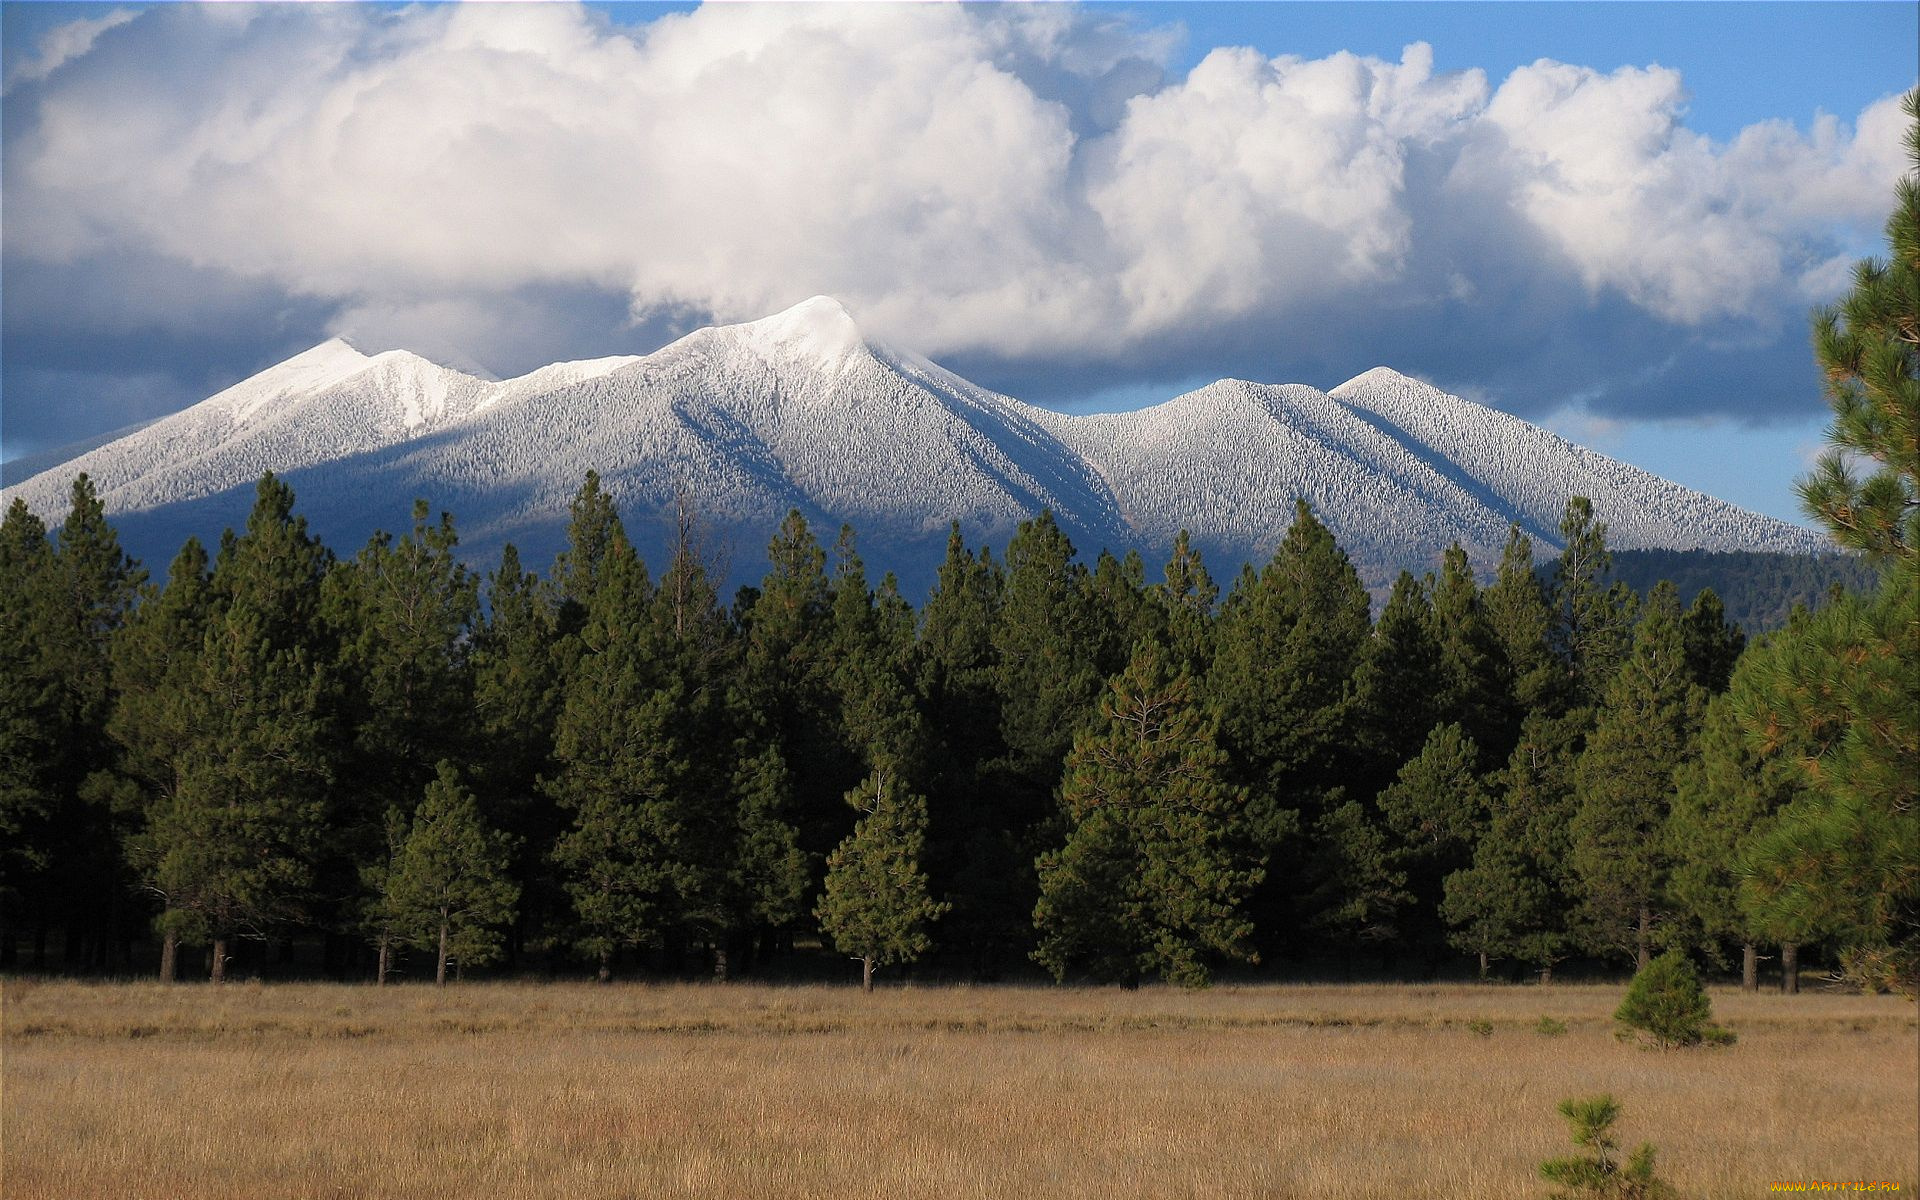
x: 1086, y: 207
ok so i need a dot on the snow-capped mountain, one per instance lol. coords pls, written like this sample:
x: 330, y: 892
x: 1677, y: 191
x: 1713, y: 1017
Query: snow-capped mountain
x: 800, y: 410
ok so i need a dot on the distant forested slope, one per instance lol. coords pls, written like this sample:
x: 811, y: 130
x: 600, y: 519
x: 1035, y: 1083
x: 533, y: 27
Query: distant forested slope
x: 1758, y: 589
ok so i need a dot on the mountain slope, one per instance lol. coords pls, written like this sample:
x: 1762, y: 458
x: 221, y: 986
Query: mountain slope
x: 1528, y: 472
x: 800, y: 410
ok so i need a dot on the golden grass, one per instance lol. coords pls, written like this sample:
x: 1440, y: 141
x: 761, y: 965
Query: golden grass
x: 561, y: 1090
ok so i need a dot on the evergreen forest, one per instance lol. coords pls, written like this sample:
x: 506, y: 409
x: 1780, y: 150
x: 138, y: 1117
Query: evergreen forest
x: 353, y: 766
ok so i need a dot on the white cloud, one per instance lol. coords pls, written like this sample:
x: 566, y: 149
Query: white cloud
x: 64, y: 43
x: 1005, y: 182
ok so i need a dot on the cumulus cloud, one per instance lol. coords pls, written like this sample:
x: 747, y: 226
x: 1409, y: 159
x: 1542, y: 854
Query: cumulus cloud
x: 1021, y: 189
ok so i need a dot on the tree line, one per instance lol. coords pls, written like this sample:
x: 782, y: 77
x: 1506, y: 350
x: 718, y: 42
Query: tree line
x: 1049, y: 760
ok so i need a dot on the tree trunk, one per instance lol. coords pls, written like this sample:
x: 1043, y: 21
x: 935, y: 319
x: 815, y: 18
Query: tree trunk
x: 866, y: 975
x: 1643, y: 951
x: 1546, y: 974
x: 719, y: 962
x: 1749, y: 967
x: 440, y: 972
x: 169, y: 956
x: 1790, y: 969
x: 219, y: 971
x: 386, y: 959
x: 1483, y: 966
x: 606, y: 965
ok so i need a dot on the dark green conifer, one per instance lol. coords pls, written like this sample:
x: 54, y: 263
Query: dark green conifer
x: 1187, y: 595
x: 1522, y: 623
x: 620, y: 774
x: 1713, y: 642
x: 1397, y: 686
x: 157, y: 671
x: 234, y: 844
x: 1476, y: 680
x: 517, y: 694
x: 1625, y: 780
x: 1594, y: 619
x: 450, y: 891
x: 875, y: 906
x: 1157, y: 862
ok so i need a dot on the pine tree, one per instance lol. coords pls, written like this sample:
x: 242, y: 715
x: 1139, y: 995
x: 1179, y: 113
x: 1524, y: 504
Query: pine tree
x: 875, y: 906
x: 1522, y: 624
x: 1529, y: 841
x: 517, y: 695
x: 1725, y: 795
x: 71, y: 600
x: 1866, y: 348
x: 1713, y: 642
x: 233, y: 846
x: 1845, y: 688
x: 1288, y: 642
x: 619, y: 778
x: 1186, y: 596
x: 380, y: 917
x: 157, y: 664
x: 1438, y: 811
x: 1625, y: 779
x: 1288, y: 645
x: 1046, y: 643
x: 1590, y: 1121
x: 1397, y: 687
x: 1837, y: 697
x: 450, y: 891
x: 1476, y: 680
x: 29, y: 720
x: 1357, y: 886
x: 1498, y: 907
x: 1122, y: 615
x: 1666, y: 1001
x: 787, y: 681
x: 1157, y: 862
x: 596, y: 540
x: 404, y: 615
x: 769, y: 874
x: 691, y: 644
x: 1595, y: 620
x: 1436, y: 805
x: 974, y: 854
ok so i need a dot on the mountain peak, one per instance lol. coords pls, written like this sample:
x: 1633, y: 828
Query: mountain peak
x: 1381, y: 376
x: 335, y: 350
x: 818, y: 330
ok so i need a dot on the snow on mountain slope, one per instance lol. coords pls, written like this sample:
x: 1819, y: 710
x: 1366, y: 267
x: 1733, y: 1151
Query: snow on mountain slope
x: 1524, y: 470
x: 801, y: 410
x: 316, y: 407
x: 1226, y: 462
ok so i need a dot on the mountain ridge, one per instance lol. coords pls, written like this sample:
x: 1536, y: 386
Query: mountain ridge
x: 803, y: 410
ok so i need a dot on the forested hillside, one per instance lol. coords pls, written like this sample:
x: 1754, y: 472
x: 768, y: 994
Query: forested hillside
x: 315, y: 762
x: 1758, y: 589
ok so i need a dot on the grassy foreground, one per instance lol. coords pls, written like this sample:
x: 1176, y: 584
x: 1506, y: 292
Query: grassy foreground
x: 640, y: 1091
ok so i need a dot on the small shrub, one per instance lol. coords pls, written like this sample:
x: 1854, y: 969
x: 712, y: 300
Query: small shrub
x: 1548, y: 1027
x: 1715, y: 1035
x: 1590, y: 1123
x: 1667, y: 1003
x: 1481, y: 1027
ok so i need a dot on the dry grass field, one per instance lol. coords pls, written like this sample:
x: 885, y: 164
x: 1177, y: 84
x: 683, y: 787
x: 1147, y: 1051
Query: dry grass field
x: 253, y: 1092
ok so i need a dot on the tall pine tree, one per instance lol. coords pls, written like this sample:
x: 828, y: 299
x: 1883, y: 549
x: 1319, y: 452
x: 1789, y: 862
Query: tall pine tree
x: 1625, y: 780
x: 1157, y: 861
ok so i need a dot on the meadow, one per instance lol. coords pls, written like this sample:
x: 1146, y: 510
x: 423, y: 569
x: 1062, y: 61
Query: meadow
x: 256, y: 1092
